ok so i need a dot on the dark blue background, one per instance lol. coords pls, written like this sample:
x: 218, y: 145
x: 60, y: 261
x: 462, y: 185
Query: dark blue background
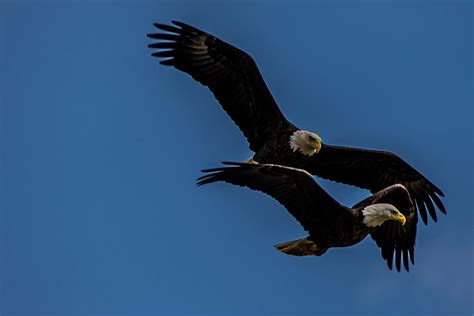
x: 101, y: 146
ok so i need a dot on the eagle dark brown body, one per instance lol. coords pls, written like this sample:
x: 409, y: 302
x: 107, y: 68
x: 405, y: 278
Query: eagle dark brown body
x: 277, y: 150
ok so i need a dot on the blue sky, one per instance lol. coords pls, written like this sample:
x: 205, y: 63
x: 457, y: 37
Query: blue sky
x: 101, y: 147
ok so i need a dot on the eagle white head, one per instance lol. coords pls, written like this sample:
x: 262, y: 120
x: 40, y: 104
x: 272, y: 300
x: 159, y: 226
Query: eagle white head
x: 377, y: 214
x: 305, y: 142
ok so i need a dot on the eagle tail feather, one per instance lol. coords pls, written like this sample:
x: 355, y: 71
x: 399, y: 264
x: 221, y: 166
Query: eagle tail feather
x: 301, y: 247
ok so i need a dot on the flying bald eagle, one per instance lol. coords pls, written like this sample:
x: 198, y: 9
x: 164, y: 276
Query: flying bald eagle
x: 234, y: 79
x: 329, y: 223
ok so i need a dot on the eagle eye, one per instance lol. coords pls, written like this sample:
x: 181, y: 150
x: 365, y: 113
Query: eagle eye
x: 393, y: 212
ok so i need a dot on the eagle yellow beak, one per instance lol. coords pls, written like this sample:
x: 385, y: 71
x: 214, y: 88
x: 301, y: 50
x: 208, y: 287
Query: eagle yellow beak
x: 401, y: 218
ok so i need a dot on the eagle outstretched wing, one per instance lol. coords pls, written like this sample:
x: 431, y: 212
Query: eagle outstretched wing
x: 294, y: 188
x: 375, y: 170
x: 391, y: 236
x: 230, y: 73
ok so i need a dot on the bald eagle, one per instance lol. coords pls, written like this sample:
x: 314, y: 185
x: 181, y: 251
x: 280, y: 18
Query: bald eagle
x: 329, y: 223
x: 234, y: 79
